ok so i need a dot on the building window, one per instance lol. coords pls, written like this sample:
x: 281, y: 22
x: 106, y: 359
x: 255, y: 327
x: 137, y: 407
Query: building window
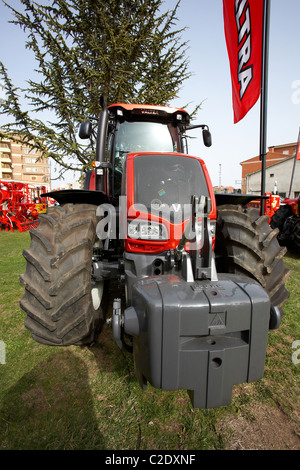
x: 33, y: 178
x: 28, y: 150
x: 271, y: 175
x: 27, y: 160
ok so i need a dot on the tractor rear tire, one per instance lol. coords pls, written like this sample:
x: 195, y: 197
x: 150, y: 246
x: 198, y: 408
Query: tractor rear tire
x: 289, y: 228
x: 58, y: 300
x: 296, y: 236
x: 279, y: 217
x: 246, y: 244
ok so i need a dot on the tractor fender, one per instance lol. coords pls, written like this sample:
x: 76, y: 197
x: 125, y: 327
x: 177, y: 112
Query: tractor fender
x: 236, y: 198
x: 78, y: 196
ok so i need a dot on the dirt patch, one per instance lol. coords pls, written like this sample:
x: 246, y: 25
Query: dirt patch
x: 35, y: 398
x: 261, y: 427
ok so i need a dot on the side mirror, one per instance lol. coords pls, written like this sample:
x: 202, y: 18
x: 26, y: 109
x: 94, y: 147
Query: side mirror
x: 206, y: 137
x: 85, y: 130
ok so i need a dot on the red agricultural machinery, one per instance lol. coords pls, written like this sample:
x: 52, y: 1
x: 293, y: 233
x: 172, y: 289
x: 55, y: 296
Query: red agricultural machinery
x: 287, y: 220
x: 284, y: 216
x: 272, y: 204
x: 20, y: 205
x: 202, y: 275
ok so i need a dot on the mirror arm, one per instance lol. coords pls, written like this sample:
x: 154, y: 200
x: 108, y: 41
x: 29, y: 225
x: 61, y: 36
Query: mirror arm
x: 196, y: 126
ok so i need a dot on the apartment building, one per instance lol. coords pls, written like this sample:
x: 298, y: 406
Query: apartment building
x: 20, y: 163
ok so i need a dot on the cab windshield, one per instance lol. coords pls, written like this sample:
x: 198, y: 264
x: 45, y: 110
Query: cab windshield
x: 142, y: 137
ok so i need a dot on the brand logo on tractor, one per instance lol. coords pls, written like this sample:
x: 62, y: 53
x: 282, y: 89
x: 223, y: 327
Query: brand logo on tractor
x: 150, y: 111
x: 245, y: 72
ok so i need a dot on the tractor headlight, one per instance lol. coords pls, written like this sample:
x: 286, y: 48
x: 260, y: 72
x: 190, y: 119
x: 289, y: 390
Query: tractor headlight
x: 146, y: 230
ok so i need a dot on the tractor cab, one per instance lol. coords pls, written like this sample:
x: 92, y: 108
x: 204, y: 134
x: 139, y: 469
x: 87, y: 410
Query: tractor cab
x: 140, y: 129
x: 136, y: 128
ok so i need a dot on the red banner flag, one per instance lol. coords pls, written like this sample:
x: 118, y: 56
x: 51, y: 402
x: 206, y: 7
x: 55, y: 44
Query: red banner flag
x: 298, y: 147
x: 243, y: 25
x: 298, y: 152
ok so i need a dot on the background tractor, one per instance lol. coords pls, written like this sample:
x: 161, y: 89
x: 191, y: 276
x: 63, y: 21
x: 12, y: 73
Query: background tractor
x: 202, y: 276
x: 287, y: 220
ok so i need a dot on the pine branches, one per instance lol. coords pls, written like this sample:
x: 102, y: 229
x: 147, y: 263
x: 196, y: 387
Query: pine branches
x: 127, y: 50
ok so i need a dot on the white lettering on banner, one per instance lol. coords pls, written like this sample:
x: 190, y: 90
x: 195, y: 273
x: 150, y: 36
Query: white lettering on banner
x: 245, y: 73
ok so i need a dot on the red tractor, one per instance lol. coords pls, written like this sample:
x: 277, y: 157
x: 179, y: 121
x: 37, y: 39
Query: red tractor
x: 202, y: 275
x: 287, y: 220
x: 272, y: 203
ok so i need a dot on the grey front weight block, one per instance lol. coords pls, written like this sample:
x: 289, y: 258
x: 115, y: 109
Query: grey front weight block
x: 203, y: 337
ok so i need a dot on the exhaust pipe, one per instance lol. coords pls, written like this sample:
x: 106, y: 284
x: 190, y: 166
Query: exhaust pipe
x: 101, y: 142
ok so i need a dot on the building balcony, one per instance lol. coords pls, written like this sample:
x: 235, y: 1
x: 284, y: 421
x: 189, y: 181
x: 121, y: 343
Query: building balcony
x: 5, y: 158
x: 4, y: 147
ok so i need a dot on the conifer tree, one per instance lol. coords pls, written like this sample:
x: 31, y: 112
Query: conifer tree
x: 127, y: 50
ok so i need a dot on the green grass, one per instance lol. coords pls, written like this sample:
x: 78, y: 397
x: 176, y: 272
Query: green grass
x: 89, y: 398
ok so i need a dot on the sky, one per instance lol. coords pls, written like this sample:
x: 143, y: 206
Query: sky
x: 211, y: 83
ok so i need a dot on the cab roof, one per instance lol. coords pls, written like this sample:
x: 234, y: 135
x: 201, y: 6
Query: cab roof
x: 144, y: 111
